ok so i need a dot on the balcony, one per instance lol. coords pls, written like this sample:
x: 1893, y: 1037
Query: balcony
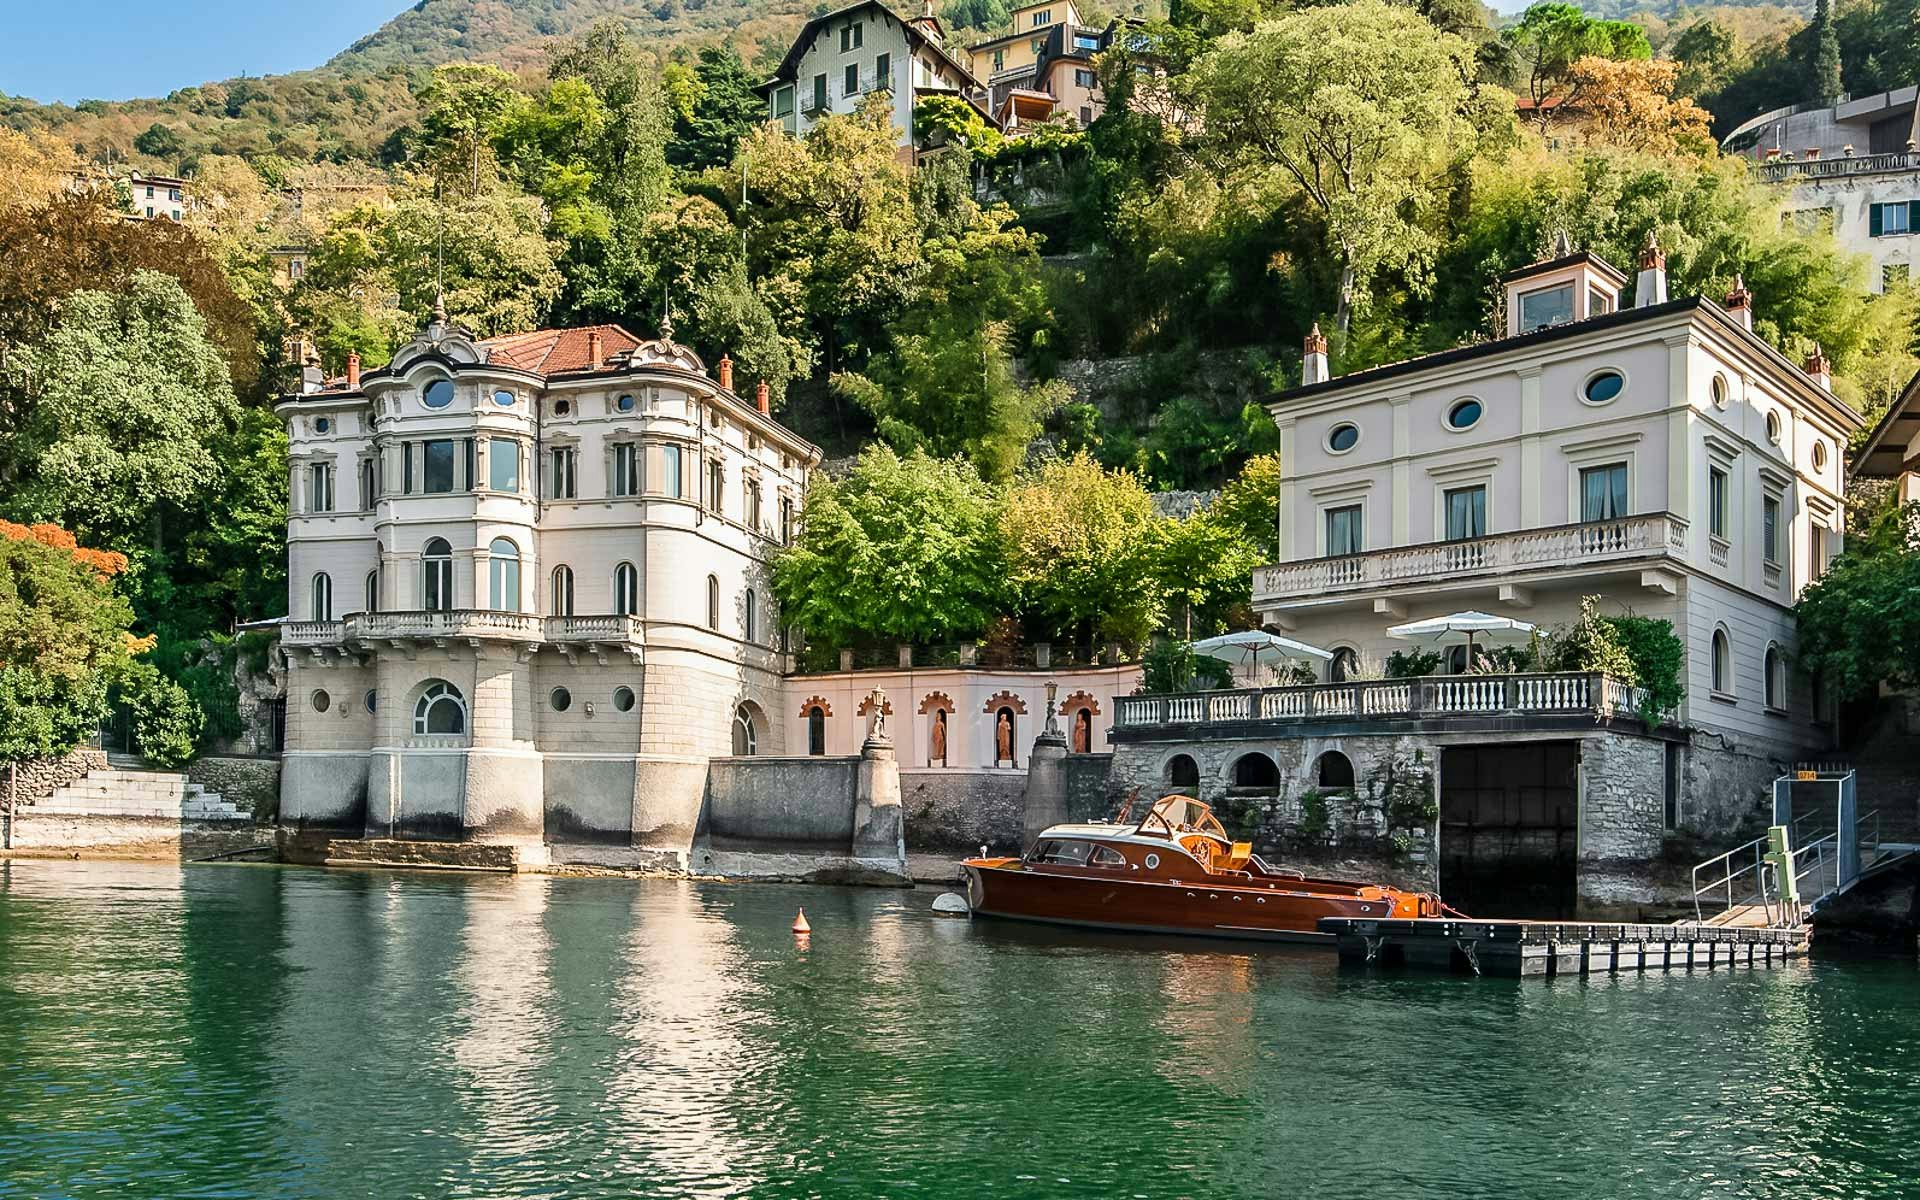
x: 353, y: 633
x: 596, y: 635
x: 1592, y: 544
x: 1839, y: 168
x: 1478, y: 700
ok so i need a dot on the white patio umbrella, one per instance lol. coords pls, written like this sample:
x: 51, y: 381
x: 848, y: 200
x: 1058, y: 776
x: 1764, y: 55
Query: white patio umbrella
x: 1464, y: 628
x: 1253, y: 647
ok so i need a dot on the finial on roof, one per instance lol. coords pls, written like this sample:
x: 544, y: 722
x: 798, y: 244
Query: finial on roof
x: 440, y: 308
x: 1562, y: 244
x: 1650, y: 254
x: 666, y: 314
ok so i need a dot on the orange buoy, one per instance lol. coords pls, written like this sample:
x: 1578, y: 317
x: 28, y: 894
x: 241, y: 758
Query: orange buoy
x: 800, y: 923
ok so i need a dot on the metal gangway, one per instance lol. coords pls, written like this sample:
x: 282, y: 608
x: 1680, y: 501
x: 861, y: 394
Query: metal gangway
x: 1819, y: 846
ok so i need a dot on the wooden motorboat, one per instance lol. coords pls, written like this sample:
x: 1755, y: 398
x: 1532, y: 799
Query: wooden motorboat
x: 1176, y: 871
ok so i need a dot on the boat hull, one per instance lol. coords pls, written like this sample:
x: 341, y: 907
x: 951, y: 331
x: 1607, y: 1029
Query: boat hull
x: 1260, y: 912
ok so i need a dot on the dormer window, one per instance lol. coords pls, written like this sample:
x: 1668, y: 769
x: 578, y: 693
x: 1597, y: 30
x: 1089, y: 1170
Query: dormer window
x: 1598, y: 302
x: 1545, y: 307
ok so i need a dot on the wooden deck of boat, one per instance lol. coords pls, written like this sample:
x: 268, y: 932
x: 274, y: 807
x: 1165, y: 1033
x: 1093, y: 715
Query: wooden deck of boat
x: 1540, y: 948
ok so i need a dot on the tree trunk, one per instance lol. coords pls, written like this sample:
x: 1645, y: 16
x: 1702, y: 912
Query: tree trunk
x: 1343, y: 311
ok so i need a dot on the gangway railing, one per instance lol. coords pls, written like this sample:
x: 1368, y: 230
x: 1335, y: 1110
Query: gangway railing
x: 1826, y: 849
x: 1743, y: 869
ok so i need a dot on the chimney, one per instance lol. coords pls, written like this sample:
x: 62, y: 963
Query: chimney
x: 353, y: 370
x: 726, y: 373
x: 760, y: 397
x: 1819, y: 369
x: 593, y: 350
x: 1740, y: 304
x: 1313, y: 364
x: 1650, y: 286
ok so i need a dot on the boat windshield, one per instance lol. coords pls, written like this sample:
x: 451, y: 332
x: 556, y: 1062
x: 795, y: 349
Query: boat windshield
x: 1182, y: 814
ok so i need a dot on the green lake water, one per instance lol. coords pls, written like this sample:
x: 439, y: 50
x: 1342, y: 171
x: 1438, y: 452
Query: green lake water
x: 270, y: 1032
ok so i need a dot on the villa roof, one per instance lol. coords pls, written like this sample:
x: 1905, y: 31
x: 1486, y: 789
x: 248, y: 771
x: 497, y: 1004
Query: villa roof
x: 1884, y: 454
x: 550, y: 351
x: 1577, y: 258
x: 916, y: 37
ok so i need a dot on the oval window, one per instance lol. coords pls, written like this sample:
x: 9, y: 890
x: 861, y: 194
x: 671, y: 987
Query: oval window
x: 503, y: 398
x: 1819, y: 456
x: 439, y: 394
x: 1343, y: 437
x: 562, y: 407
x: 1773, y: 428
x: 561, y: 699
x: 624, y: 403
x: 1604, y: 387
x: 1718, y: 391
x: 1464, y: 415
x: 321, y: 701
x: 372, y: 697
x: 623, y: 699
x: 321, y: 425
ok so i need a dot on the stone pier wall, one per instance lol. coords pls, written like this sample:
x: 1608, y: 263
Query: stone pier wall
x: 957, y: 812
x: 250, y: 783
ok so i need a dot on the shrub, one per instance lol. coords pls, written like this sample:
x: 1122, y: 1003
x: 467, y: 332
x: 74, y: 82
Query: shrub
x: 1411, y: 664
x: 1592, y: 644
x: 1174, y: 667
x: 1659, y: 661
x: 166, y: 722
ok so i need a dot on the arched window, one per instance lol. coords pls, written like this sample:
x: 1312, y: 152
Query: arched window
x: 1722, y: 663
x: 626, y: 590
x: 1256, y: 771
x: 503, y: 576
x: 750, y: 621
x: 745, y: 740
x: 1183, y: 775
x: 1335, y: 772
x: 1346, y: 661
x: 322, y: 597
x: 440, y: 709
x: 563, y: 591
x: 436, y: 590
x: 713, y: 602
x: 373, y: 591
x: 816, y: 730
x: 1776, y: 690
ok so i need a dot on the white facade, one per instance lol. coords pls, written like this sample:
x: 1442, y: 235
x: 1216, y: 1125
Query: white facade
x: 528, y: 584
x: 159, y: 199
x: 1661, y: 457
x: 841, y: 57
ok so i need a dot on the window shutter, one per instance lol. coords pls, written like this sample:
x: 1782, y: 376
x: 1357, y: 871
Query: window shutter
x: 1913, y: 216
x: 1873, y: 220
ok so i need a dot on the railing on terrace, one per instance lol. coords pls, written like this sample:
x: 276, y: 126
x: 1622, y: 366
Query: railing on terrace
x: 1591, y: 542
x: 1024, y: 655
x: 437, y: 623
x: 1840, y: 168
x: 600, y: 628
x: 1430, y: 696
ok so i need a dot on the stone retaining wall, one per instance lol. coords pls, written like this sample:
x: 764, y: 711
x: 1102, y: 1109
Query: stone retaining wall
x: 36, y: 779
x: 249, y: 783
x: 959, y: 811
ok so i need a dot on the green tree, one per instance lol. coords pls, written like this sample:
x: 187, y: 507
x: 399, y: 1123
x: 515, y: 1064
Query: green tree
x: 129, y: 396
x: 1824, y: 70
x: 1250, y: 505
x: 158, y: 141
x: 1362, y: 110
x: 723, y: 109
x: 166, y: 722
x: 468, y: 106
x: 1205, y: 568
x: 1082, y: 543
x: 1705, y: 51
x: 63, y: 632
x: 1858, y: 624
x: 1550, y: 38
x: 906, y: 549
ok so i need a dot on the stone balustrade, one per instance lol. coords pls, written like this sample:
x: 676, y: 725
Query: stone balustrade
x: 1435, y: 696
x: 1654, y: 535
x: 601, y: 628
x: 1839, y: 168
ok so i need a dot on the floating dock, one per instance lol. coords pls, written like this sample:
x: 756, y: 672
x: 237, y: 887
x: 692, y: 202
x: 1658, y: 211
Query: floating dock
x: 1515, y: 949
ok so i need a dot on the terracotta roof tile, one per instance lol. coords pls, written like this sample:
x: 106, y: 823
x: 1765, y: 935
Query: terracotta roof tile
x: 551, y: 351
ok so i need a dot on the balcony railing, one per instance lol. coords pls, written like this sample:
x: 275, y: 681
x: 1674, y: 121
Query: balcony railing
x: 1441, y: 696
x: 1588, y: 543
x: 423, y: 624
x: 1839, y: 168
x: 604, y: 628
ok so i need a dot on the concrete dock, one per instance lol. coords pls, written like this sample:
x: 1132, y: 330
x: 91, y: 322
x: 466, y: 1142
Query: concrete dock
x: 1542, y: 948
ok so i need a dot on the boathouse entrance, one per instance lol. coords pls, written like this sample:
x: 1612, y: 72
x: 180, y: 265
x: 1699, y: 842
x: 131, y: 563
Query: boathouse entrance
x: 1509, y: 828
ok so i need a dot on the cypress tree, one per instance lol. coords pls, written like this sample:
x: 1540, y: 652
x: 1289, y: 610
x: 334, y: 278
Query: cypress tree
x: 1826, y: 54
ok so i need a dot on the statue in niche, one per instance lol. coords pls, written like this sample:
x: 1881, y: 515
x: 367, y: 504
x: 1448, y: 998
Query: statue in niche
x: 937, y: 753
x: 1003, y: 738
x: 1083, y: 732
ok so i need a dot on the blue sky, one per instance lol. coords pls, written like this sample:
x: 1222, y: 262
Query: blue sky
x: 121, y: 49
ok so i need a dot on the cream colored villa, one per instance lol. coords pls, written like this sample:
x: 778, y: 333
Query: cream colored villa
x: 528, y: 592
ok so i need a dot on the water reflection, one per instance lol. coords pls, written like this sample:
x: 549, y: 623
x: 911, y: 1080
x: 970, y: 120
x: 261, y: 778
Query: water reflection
x: 273, y: 1033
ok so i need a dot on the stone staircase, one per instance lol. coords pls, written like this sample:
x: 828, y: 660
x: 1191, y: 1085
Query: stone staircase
x: 120, y: 792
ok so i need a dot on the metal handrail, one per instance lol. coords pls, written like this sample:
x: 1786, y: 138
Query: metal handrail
x: 1760, y: 868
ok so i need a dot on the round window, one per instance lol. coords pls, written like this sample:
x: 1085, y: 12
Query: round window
x: 1343, y: 437
x: 1819, y: 456
x: 561, y: 699
x: 562, y: 407
x: 1718, y: 390
x: 623, y: 699
x: 321, y: 701
x: 322, y: 424
x: 1604, y: 387
x: 1464, y: 415
x: 624, y: 403
x: 504, y: 399
x: 372, y: 696
x: 1773, y: 428
x: 439, y: 394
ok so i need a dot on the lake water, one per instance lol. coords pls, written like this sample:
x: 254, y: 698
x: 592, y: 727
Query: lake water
x: 271, y: 1032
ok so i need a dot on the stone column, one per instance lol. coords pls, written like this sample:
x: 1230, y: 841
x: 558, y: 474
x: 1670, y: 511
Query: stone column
x: 1046, y: 798
x: 879, y: 821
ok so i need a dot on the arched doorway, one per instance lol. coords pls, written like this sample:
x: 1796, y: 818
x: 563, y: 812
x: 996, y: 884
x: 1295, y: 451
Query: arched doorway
x: 1183, y: 775
x: 436, y: 584
x: 746, y: 730
x: 1334, y: 772
x: 1256, y: 772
